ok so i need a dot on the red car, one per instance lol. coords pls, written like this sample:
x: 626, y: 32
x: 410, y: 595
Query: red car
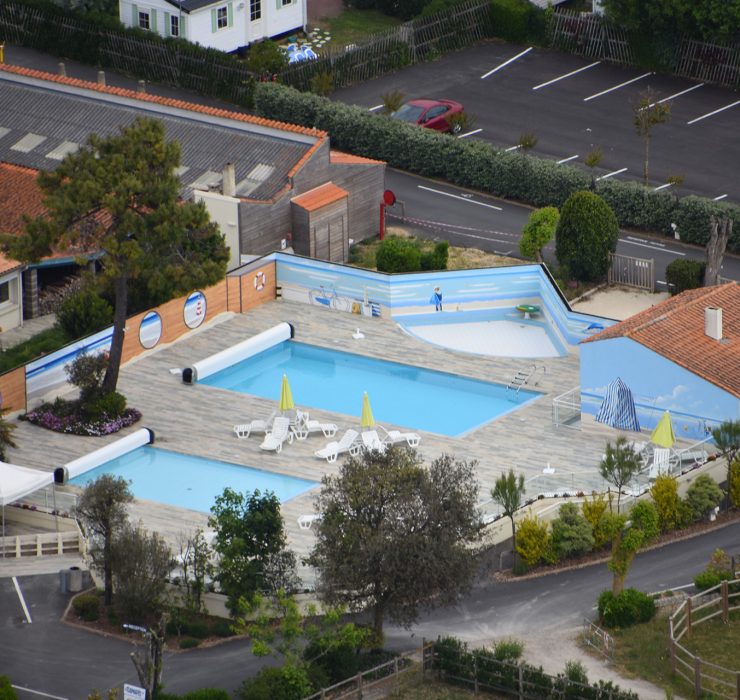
x: 432, y: 114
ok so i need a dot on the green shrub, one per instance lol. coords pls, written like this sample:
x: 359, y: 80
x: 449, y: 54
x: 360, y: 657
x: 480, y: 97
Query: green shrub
x: 199, y: 630
x: 222, y: 629
x: 207, y: 694
x: 682, y: 274
x: 396, y: 254
x: 510, y: 19
x: 437, y: 258
x: 594, y: 511
x: 86, y: 372
x: 189, y: 643
x: 630, y: 607
x: 112, y: 405
x: 266, y: 58
x: 533, y: 542
x: 338, y: 663
x: 508, y: 650
x: 288, y: 682
x: 586, y: 233
x: 707, y: 579
x: 703, y: 496
x: 572, y: 534
x: 84, y: 313
x: 7, y: 692
x: 40, y: 344
x: 87, y: 606
x: 693, y: 219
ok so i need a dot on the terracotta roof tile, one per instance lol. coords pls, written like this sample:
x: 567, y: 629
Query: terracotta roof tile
x: 341, y: 158
x: 675, y: 330
x: 320, y: 196
x: 20, y: 195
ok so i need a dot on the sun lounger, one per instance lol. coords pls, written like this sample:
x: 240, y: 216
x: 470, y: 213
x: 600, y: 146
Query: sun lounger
x: 347, y: 443
x: 305, y: 426
x: 305, y: 522
x: 259, y: 425
x: 371, y: 441
x: 279, y: 434
x: 396, y: 436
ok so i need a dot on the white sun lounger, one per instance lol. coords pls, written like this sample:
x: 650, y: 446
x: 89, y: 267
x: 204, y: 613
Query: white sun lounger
x: 259, y: 425
x: 371, y: 441
x: 305, y: 522
x: 347, y: 443
x: 396, y: 436
x: 305, y: 426
x: 279, y: 434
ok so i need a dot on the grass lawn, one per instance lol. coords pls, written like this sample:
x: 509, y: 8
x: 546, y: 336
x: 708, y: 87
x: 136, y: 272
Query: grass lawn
x: 40, y: 344
x: 642, y: 651
x: 352, y: 26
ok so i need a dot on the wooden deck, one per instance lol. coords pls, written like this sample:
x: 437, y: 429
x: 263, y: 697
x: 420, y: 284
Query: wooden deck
x: 198, y: 419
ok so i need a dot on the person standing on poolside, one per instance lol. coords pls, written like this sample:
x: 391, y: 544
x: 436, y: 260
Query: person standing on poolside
x: 437, y: 298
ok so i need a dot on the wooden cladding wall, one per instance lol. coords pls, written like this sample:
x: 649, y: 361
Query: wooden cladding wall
x: 13, y: 389
x: 173, y: 319
x: 257, y: 286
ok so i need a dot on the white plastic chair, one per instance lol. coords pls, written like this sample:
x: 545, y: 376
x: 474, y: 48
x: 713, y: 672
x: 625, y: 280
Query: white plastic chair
x: 371, y: 441
x: 396, y: 436
x: 259, y: 425
x: 305, y: 426
x: 305, y: 522
x: 279, y: 434
x: 347, y: 443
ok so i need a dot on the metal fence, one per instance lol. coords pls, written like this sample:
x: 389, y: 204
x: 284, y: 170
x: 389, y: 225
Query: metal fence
x: 705, y: 676
x: 710, y: 63
x: 412, y: 42
x: 633, y: 272
x: 598, y: 639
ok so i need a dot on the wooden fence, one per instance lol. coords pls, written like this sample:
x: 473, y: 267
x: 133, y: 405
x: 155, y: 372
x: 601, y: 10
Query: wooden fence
x: 41, y: 544
x: 596, y: 37
x: 412, y: 42
x: 633, y: 272
x: 598, y: 639
x: 705, y: 676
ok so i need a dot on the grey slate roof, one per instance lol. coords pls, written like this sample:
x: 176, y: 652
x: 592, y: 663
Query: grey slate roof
x: 190, y: 5
x: 40, y: 121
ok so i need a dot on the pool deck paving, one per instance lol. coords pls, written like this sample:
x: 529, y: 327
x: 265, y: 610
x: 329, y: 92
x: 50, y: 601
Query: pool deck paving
x: 199, y: 419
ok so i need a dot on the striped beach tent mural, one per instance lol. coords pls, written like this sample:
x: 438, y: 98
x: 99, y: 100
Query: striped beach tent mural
x: 618, y: 408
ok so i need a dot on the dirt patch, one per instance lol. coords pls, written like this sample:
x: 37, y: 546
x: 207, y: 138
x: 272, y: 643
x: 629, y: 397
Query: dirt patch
x: 323, y: 9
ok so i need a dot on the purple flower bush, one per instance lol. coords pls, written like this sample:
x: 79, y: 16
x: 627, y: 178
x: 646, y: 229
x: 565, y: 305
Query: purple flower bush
x: 75, y: 423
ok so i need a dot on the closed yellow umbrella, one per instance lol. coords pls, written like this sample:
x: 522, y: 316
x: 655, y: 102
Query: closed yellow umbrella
x: 366, y: 420
x: 663, y: 435
x: 286, y: 397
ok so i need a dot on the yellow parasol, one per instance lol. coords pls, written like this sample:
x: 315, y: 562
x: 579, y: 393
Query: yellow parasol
x: 663, y: 435
x: 286, y: 397
x: 367, y: 420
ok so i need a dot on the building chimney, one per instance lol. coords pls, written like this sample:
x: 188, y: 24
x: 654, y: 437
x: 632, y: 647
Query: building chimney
x: 228, y: 186
x: 713, y: 322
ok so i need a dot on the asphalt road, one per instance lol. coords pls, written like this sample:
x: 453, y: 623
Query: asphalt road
x: 67, y: 663
x: 472, y: 219
x: 587, y: 106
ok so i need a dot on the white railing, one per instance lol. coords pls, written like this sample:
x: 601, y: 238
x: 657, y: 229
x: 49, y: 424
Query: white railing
x: 566, y: 409
x: 42, y: 544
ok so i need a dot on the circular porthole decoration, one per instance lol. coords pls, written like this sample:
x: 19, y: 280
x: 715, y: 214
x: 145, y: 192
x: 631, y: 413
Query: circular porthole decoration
x: 195, y: 309
x: 150, y: 330
x: 260, y: 280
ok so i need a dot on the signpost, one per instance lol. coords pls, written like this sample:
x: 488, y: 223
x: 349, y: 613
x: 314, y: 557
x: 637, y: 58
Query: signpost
x: 133, y: 692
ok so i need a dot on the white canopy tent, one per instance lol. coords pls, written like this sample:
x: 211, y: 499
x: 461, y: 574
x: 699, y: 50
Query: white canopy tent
x: 17, y: 482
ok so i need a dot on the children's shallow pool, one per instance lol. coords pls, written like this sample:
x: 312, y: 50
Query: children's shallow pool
x: 191, y: 482
x: 404, y: 395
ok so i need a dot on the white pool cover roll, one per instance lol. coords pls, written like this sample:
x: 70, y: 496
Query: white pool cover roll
x: 72, y: 469
x: 236, y: 353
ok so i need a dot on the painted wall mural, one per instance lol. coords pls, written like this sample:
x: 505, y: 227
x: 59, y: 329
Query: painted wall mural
x: 657, y: 384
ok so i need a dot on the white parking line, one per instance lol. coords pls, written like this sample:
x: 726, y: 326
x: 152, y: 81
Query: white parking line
x: 506, y: 63
x: 567, y: 75
x: 615, y: 172
x: 20, y: 597
x: 38, y: 692
x: 662, y: 187
x: 716, y: 111
x: 652, y: 247
x: 722, y: 196
x: 616, y: 87
x: 469, y: 133
x: 376, y: 108
x: 565, y: 160
x: 457, y: 196
x: 673, y: 97
x: 512, y: 148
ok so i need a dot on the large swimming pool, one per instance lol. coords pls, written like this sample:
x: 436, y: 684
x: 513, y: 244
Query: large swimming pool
x: 403, y: 395
x: 188, y: 481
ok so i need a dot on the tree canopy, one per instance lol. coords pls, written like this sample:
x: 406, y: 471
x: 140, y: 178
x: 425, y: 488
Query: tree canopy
x: 395, y: 536
x: 586, y: 233
x: 619, y: 465
x: 119, y: 195
x: 538, y: 232
x: 508, y: 492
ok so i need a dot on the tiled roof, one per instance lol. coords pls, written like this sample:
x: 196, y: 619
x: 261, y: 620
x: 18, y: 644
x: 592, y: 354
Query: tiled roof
x: 45, y: 116
x: 675, y: 330
x: 341, y: 158
x: 19, y: 195
x: 320, y: 196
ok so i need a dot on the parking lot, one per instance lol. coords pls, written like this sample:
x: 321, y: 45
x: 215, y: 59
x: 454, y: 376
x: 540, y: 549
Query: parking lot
x: 574, y: 105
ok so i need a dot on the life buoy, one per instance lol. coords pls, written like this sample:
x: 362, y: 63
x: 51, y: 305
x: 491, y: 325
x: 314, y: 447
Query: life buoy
x: 259, y: 281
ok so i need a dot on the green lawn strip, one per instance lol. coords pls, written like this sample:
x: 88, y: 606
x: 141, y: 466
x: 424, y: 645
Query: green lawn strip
x: 642, y: 651
x: 40, y: 344
x: 352, y: 26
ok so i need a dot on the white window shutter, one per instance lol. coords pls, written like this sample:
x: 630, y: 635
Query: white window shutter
x: 134, y: 15
x: 214, y: 21
x: 230, y: 14
x: 183, y: 32
x: 167, y: 24
x: 153, y: 26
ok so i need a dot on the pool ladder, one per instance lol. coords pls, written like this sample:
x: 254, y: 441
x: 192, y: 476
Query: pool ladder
x: 522, y: 377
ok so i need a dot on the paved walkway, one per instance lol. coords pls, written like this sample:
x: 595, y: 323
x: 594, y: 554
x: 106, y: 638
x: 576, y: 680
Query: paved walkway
x: 30, y: 327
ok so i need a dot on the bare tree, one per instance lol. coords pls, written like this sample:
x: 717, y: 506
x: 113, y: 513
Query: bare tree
x: 647, y: 113
x: 148, y: 661
x: 720, y: 232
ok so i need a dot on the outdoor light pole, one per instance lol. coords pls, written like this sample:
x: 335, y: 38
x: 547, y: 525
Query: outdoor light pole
x: 149, y: 663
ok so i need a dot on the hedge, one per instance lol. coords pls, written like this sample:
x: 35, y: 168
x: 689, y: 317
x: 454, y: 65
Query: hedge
x: 479, y: 165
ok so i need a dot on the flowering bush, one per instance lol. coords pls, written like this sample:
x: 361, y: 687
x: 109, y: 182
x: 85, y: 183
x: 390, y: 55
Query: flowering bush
x: 63, y: 420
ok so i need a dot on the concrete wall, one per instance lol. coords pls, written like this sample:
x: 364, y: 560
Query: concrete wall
x: 223, y: 211
x: 365, y: 183
x: 11, y: 311
x: 696, y: 405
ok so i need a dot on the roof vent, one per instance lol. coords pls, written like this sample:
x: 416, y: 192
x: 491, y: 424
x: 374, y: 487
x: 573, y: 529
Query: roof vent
x: 713, y: 322
x: 229, y: 180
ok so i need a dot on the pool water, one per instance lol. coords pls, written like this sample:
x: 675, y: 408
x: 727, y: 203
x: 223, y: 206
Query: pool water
x: 500, y: 332
x: 403, y: 395
x: 188, y: 481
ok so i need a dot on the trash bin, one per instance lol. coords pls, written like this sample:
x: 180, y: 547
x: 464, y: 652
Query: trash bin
x: 75, y: 579
x: 63, y: 580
